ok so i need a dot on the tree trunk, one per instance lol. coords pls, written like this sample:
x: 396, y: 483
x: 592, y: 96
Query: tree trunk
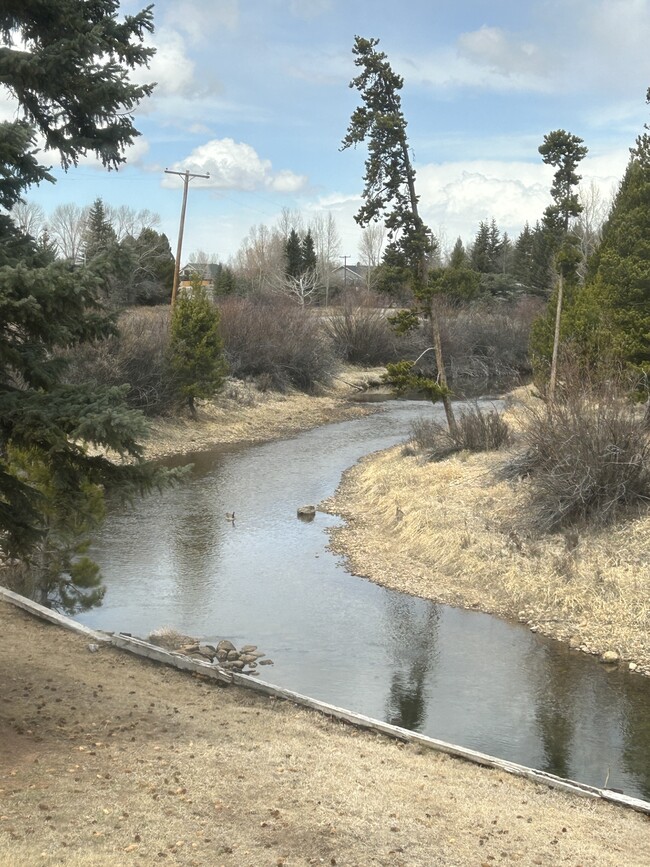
x: 440, y: 364
x: 556, y: 339
x: 424, y: 277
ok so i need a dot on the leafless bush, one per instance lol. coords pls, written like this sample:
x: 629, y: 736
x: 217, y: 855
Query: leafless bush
x: 136, y: 357
x: 476, y: 430
x: 487, y: 345
x: 282, y: 344
x: 362, y: 335
x: 586, y: 456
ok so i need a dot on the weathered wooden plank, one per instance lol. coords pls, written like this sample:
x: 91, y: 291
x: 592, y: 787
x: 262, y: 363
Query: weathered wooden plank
x: 168, y: 657
x: 54, y: 617
x: 625, y: 801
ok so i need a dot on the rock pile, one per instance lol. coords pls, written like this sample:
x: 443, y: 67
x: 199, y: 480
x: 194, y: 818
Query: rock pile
x: 225, y: 654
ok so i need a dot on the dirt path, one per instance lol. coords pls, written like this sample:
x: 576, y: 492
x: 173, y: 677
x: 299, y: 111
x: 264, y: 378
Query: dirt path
x: 110, y: 760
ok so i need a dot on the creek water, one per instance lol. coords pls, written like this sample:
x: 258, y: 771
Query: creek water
x: 268, y: 579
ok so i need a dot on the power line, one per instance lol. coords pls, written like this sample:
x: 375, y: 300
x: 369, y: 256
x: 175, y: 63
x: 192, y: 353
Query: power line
x: 187, y: 177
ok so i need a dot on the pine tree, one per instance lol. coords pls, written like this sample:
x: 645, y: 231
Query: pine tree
x: 611, y: 315
x: 564, y: 151
x: 196, y: 348
x: 309, y: 258
x: 294, y: 253
x: 73, y: 87
x: 389, y: 193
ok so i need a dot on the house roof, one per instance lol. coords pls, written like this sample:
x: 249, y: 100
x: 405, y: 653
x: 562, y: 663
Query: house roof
x: 210, y: 270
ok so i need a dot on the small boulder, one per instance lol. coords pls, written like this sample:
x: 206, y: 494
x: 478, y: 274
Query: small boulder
x: 609, y: 657
x: 226, y: 645
x: 306, y: 511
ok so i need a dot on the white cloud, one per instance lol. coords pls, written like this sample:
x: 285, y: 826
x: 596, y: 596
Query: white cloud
x: 458, y: 195
x: 197, y: 22
x: 237, y: 166
x: 503, y: 54
x: 9, y: 107
x: 171, y: 68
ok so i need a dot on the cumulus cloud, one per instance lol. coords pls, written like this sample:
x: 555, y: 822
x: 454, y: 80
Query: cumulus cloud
x: 171, y: 68
x: 237, y: 166
x: 458, y: 195
x: 502, y: 53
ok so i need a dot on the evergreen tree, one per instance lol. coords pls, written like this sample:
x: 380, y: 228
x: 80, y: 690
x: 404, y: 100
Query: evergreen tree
x: 389, y: 192
x: 309, y: 258
x: 99, y: 236
x: 196, y: 348
x: 226, y: 282
x: 611, y: 315
x: 563, y: 151
x: 294, y: 253
x: 73, y: 87
x: 458, y: 257
x: 480, y: 256
x: 523, y: 257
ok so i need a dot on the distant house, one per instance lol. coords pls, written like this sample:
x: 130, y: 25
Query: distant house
x: 208, y: 271
x: 354, y: 276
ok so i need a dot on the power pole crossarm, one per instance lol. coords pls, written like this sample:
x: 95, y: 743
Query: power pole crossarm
x: 187, y: 177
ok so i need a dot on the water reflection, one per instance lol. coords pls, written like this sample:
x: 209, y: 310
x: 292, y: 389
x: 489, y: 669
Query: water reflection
x: 411, y: 640
x: 555, y: 697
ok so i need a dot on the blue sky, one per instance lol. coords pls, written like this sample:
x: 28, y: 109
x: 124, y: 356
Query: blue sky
x: 256, y: 92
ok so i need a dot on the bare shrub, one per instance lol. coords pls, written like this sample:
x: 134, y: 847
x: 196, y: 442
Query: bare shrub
x: 487, y: 345
x: 137, y: 357
x: 477, y: 430
x: 586, y: 455
x: 282, y: 344
x: 362, y: 335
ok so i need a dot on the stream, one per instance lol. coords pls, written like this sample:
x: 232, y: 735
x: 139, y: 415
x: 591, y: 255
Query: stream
x: 268, y: 579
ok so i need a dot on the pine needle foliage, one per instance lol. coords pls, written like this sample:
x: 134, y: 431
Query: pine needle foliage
x: 196, y: 347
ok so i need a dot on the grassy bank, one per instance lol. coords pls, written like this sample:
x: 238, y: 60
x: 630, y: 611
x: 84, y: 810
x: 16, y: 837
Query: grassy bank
x: 451, y: 532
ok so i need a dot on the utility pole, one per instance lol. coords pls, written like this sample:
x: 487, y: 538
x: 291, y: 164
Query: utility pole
x: 345, y: 271
x: 187, y: 177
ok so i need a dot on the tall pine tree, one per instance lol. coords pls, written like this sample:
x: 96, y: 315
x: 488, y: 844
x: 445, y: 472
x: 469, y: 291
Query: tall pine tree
x: 73, y: 87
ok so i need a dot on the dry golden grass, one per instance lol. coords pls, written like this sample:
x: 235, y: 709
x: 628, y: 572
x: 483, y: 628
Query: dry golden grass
x: 459, y: 538
x: 108, y: 760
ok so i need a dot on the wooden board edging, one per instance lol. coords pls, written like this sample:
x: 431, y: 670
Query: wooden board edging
x: 408, y: 736
x: 169, y: 657
x: 54, y: 617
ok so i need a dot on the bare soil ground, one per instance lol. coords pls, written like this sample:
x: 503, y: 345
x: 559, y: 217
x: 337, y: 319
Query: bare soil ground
x: 108, y: 760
